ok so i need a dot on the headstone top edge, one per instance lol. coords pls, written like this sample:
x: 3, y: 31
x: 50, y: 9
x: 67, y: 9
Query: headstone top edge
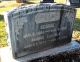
x: 27, y: 7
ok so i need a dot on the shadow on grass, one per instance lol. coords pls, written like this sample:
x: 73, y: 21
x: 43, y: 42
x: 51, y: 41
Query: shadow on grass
x: 76, y: 26
x: 1, y: 18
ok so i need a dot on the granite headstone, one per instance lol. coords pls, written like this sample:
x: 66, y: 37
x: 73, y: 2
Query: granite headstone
x: 38, y: 27
x: 75, y: 3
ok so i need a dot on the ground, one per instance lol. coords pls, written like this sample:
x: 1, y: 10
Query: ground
x: 3, y: 7
x: 76, y: 30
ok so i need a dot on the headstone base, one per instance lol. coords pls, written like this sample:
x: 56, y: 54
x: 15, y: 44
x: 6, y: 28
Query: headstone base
x: 6, y: 53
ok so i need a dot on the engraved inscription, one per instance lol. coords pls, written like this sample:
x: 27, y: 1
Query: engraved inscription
x: 47, y: 17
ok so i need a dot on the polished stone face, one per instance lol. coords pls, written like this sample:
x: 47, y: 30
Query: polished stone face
x: 39, y: 27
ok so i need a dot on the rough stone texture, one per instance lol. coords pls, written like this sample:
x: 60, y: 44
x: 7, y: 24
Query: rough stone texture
x: 39, y: 27
x: 71, y: 48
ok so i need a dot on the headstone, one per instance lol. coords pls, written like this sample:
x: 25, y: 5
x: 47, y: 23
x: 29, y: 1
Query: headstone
x: 75, y: 3
x: 38, y: 27
x: 48, y: 1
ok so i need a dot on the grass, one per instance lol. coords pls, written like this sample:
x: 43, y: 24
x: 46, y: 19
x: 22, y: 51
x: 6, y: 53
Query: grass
x: 8, y: 5
x: 76, y: 32
x: 77, y: 25
x: 5, y: 6
x: 2, y: 33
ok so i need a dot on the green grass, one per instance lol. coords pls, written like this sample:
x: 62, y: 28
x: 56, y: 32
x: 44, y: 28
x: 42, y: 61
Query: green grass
x: 7, y: 6
x: 77, y: 25
x: 2, y: 33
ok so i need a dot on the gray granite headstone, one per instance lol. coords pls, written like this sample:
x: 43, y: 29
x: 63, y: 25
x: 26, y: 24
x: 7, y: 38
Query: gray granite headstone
x: 38, y: 27
x: 75, y: 1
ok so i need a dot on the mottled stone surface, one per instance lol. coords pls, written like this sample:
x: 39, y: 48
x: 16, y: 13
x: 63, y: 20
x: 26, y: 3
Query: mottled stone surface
x: 70, y: 48
x: 38, y: 27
